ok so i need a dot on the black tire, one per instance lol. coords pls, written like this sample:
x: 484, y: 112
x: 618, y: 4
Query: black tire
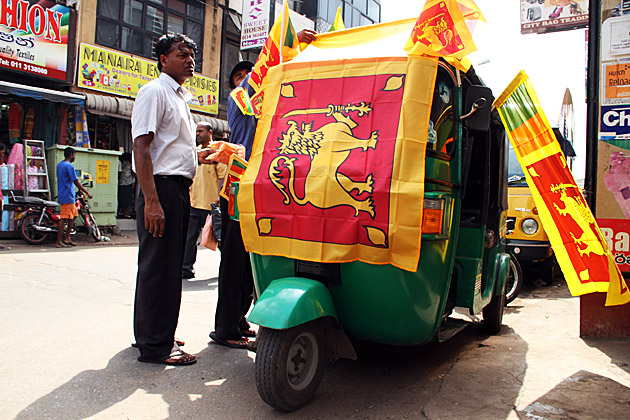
x: 547, y: 270
x: 290, y: 364
x: 514, y: 281
x: 91, y: 226
x: 29, y: 233
x: 493, y: 314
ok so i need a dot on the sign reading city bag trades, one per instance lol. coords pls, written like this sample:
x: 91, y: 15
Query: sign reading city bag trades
x: 124, y: 74
x: 541, y: 16
x: 34, y: 37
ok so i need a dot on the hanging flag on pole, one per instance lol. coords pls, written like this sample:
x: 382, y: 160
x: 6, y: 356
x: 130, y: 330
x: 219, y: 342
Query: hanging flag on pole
x: 444, y: 29
x: 338, y: 23
x: 281, y: 46
x: 578, y: 244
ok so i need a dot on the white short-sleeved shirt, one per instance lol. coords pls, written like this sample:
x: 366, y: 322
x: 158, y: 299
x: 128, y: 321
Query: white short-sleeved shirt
x: 160, y: 108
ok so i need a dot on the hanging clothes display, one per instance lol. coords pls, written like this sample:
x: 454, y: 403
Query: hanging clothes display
x: 15, y: 122
x: 16, y: 157
x: 29, y: 123
x: 63, y: 125
x: 82, y: 135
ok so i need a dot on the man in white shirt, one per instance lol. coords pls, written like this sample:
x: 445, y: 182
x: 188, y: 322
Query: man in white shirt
x: 165, y: 162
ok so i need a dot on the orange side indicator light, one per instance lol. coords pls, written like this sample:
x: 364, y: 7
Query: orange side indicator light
x: 433, y: 216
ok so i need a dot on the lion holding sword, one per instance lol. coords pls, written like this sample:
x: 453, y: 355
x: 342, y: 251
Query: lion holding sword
x: 328, y: 148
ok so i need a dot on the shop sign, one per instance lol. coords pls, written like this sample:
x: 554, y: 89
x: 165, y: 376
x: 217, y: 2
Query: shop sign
x: 615, y: 122
x: 34, y: 37
x: 255, y: 23
x: 616, y: 81
x: 617, y: 234
x: 541, y: 16
x: 102, y: 172
x: 124, y: 74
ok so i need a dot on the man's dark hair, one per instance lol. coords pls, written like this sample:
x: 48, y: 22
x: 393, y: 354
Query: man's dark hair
x: 68, y: 151
x: 2, y: 147
x: 165, y: 43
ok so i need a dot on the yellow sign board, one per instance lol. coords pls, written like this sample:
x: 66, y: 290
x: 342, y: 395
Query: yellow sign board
x: 124, y: 74
x: 102, y: 172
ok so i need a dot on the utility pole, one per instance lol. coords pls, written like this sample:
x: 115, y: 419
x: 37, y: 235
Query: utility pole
x: 592, y: 103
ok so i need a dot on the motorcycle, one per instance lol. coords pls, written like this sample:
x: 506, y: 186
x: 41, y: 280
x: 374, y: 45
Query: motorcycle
x: 41, y: 219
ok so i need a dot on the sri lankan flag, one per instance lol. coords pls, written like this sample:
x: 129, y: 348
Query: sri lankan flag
x: 338, y: 23
x: 580, y: 248
x: 336, y: 173
x: 444, y: 30
x: 281, y: 46
x: 235, y: 170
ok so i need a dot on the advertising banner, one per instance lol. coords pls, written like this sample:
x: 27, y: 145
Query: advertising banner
x: 541, y: 16
x: 124, y: 74
x: 34, y: 37
x: 617, y: 234
x: 255, y: 23
x: 615, y: 122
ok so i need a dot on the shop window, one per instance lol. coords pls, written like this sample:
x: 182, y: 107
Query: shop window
x: 134, y: 26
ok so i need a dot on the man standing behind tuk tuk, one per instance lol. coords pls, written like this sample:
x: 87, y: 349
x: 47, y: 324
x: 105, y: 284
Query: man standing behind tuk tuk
x: 236, y: 283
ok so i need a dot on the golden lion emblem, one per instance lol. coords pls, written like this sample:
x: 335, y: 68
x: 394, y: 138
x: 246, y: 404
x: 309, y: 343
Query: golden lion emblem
x: 328, y: 148
x: 578, y: 210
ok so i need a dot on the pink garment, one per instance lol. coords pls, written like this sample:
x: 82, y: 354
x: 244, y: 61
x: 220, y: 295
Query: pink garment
x: 17, y: 157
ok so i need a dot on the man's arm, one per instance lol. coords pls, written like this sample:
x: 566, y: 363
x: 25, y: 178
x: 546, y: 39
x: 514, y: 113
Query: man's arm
x: 82, y: 188
x: 153, y: 212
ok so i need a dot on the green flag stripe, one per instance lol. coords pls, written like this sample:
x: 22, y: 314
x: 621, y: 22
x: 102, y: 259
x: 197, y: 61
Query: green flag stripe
x: 289, y: 39
x: 518, y: 108
x: 238, y: 164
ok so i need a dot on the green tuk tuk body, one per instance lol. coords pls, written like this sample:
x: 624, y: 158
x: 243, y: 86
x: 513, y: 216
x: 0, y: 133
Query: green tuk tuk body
x: 310, y: 309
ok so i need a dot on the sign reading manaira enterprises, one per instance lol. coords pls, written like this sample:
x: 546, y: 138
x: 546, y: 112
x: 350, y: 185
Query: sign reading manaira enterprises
x: 124, y: 74
x: 34, y: 37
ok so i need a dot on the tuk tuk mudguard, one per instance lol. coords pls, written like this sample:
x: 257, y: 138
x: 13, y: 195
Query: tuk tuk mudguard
x: 291, y: 301
x: 503, y: 270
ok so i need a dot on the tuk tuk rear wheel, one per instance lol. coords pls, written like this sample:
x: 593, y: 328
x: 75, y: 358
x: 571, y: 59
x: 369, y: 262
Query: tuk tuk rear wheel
x: 290, y: 364
x: 493, y: 313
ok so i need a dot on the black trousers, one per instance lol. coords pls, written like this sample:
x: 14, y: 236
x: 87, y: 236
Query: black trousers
x: 195, y: 224
x: 236, y: 283
x: 159, y: 280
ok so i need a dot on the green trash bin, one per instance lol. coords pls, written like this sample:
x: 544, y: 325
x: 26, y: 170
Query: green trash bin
x: 102, y: 165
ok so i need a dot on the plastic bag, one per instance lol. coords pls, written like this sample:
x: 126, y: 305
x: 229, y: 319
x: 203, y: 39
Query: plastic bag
x: 223, y: 151
x: 207, y: 235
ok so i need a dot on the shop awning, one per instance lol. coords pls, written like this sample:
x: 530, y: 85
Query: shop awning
x: 8, y: 88
x: 121, y: 108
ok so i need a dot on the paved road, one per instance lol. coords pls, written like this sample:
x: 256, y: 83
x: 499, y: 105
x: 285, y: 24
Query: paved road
x: 66, y: 329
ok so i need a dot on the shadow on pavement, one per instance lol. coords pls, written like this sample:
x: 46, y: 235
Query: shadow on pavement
x: 616, y: 349
x: 473, y: 375
x: 193, y: 285
x: 584, y: 396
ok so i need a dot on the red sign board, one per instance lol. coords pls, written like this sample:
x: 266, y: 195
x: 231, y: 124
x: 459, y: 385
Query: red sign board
x: 617, y: 234
x: 34, y: 37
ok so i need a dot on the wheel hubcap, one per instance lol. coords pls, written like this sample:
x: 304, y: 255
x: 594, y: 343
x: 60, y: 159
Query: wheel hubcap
x: 302, y: 361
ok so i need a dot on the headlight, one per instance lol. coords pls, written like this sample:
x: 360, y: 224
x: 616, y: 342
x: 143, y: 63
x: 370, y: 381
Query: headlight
x: 529, y: 226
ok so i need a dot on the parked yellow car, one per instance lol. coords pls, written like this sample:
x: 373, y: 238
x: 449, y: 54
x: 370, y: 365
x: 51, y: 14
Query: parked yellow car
x: 526, y: 238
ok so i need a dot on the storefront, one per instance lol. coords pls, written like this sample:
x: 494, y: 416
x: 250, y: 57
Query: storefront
x: 36, y: 108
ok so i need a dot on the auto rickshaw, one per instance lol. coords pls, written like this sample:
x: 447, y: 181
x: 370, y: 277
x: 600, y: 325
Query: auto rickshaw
x: 308, y: 312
